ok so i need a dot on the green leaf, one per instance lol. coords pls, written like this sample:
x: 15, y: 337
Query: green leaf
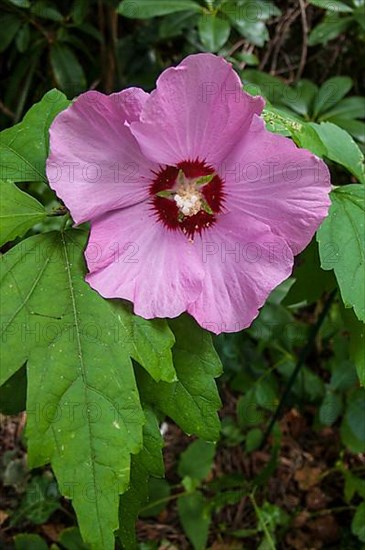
x: 84, y: 414
x: 70, y: 539
x: 349, y: 439
x: 307, y: 138
x: 330, y: 408
x: 145, y: 9
x: 68, y: 72
x: 266, y: 391
x: 29, y: 542
x: 250, y: 12
x: 358, y: 524
x: 357, y: 343
x: 262, y: 9
x: 158, y: 495
x: 248, y: 21
x: 197, y: 460
x: 195, y: 518
x: 46, y: 10
x: 253, y: 440
x: 247, y: 58
x: 22, y: 38
x: 355, y: 128
x: 271, y: 324
x: 10, y: 25
x: 40, y: 501
x: 359, y: 15
x: 271, y: 87
x: 341, y: 239
x: 191, y: 402
x: 80, y: 10
x: 300, y: 98
x: 255, y: 32
x: 328, y: 30
x: 20, y: 3
x: 248, y: 411
x: 18, y: 212
x: 343, y: 374
x: 353, y: 485
x: 174, y: 24
x: 330, y: 93
x: 332, y: 5
x: 349, y: 107
x: 24, y: 328
x: 213, y: 31
x: 308, y: 386
x: 271, y: 517
x: 155, y: 341
x: 149, y: 462
x: 90, y: 30
x: 355, y: 414
x: 24, y: 147
x: 341, y: 148
x: 310, y: 280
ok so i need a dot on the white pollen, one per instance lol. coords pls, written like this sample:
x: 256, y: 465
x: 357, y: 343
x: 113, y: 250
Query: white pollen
x: 187, y: 197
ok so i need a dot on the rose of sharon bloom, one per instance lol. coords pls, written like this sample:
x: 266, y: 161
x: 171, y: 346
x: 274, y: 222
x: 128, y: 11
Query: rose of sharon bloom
x: 193, y: 205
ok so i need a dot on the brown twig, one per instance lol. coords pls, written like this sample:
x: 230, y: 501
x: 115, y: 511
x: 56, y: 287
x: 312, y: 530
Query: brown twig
x: 236, y: 46
x: 275, y: 43
x: 303, y: 57
x: 6, y: 111
x: 281, y: 32
x: 289, y: 68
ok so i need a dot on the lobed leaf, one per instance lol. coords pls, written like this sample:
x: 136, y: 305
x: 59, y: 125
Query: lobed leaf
x: 24, y: 147
x: 18, y: 212
x: 193, y: 400
x: 341, y: 239
x: 84, y: 413
x: 149, y: 462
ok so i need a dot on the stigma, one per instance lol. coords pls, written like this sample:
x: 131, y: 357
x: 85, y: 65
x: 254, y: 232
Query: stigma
x: 187, y: 197
x: 188, y: 200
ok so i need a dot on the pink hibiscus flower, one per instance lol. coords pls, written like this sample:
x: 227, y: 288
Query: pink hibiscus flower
x: 193, y: 205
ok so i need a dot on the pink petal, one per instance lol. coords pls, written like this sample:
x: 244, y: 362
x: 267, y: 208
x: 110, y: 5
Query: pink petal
x: 243, y: 263
x: 197, y: 111
x: 131, y: 255
x: 95, y: 164
x: 287, y: 188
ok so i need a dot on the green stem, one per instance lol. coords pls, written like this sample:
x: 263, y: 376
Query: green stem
x: 300, y: 362
x: 65, y: 221
x: 163, y: 500
x: 262, y: 522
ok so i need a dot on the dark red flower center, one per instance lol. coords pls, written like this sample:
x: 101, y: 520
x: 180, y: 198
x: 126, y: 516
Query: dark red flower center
x: 187, y: 196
